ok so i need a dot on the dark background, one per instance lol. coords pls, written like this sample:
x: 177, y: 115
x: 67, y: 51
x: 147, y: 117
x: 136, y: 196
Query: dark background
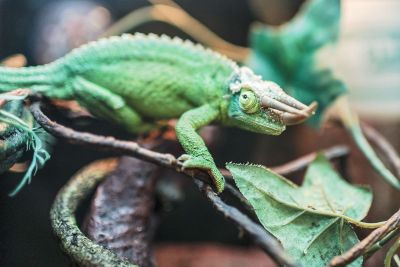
x: 25, y: 232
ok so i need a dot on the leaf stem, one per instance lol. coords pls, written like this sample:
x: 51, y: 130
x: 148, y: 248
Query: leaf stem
x: 365, y: 224
x: 392, y: 252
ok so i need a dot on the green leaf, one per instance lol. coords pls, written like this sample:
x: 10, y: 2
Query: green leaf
x: 352, y: 124
x: 287, y: 54
x: 311, y: 221
x: 369, y: 153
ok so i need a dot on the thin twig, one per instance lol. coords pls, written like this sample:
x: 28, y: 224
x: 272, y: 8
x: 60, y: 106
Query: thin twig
x: 179, y: 18
x: 361, y: 247
x: 236, y: 193
x: 265, y: 240
x: 383, y: 145
x: 302, y: 162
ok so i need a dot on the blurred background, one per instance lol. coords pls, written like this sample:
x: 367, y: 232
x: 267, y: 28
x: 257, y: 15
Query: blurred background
x: 368, y: 59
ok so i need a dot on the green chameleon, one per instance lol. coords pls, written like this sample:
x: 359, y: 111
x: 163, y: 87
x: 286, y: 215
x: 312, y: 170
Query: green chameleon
x: 137, y: 80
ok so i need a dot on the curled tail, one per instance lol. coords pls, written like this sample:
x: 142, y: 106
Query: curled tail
x: 47, y: 79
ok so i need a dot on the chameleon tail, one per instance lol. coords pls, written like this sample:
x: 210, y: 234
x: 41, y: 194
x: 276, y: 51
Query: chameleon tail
x: 18, y: 121
x: 45, y: 79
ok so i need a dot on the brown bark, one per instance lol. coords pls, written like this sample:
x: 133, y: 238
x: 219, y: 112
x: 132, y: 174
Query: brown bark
x: 120, y: 217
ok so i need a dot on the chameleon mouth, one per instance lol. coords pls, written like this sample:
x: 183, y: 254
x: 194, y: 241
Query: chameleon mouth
x: 289, y: 110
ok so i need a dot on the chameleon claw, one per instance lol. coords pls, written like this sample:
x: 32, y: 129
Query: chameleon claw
x: 191, y: 162
x: 183, y: 158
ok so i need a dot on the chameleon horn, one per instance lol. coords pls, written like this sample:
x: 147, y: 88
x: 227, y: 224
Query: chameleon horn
x: 288, y: 100
x: 292, y: 119
x: 269, y: 102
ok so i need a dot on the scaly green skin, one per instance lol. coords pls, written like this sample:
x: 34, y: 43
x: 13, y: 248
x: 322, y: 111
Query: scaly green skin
x: 135, y: 81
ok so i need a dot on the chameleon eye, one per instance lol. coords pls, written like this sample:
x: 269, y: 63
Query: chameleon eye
x: 248, y: 101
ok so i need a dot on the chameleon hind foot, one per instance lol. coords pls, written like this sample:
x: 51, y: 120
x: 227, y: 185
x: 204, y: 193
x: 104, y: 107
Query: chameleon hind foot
x: 193, y: 162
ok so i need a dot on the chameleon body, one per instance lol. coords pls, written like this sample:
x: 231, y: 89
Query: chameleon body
x: 137, y: 80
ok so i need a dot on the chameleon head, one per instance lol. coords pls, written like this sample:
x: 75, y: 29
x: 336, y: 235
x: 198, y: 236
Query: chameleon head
x: 262, y: 106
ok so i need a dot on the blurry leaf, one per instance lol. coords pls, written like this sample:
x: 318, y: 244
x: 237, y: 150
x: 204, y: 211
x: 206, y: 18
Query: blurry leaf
x: 287, y: 54
x: 352, y: 123
x: 369, y: 153
x: 311, y: 221
x: 313, y: 84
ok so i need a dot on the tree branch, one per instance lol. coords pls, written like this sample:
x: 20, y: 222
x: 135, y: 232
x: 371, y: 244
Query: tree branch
x: 265, y: 240
x: 101, y: 142
x: 120, y: 216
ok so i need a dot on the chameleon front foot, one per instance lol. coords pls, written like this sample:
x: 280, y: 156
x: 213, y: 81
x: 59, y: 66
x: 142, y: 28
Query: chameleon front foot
x: 192, y: 162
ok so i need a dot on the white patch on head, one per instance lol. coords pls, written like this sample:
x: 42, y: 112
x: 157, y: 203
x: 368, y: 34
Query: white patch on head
x: 248, y: 79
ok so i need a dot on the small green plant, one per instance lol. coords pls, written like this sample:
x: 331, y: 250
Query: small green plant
x: 33, y: 142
